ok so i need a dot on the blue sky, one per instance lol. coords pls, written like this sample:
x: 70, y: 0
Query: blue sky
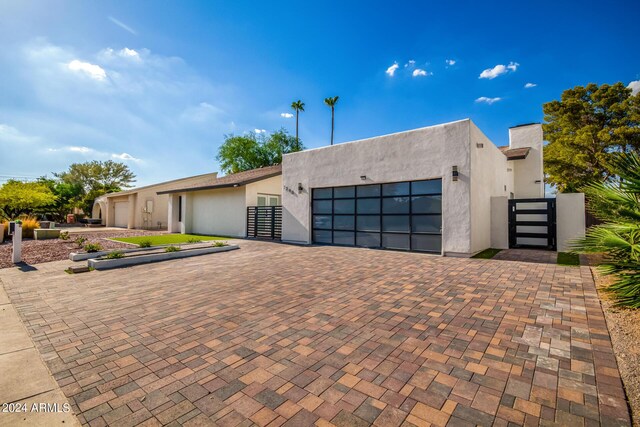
x: 158, y: 84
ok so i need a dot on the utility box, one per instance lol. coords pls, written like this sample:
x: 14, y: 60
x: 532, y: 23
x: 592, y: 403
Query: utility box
x: 12, y: 228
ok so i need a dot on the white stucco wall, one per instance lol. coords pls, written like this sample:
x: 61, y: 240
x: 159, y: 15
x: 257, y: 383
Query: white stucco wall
x: 216, y: 212
x: 271, y: 186
x: 527, y: 171
x: 489, y: 178
x: 500, y: 222
x: 570, y: 219
x: 413, y: 155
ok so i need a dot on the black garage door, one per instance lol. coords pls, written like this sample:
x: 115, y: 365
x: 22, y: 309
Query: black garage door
x: 399, y: 215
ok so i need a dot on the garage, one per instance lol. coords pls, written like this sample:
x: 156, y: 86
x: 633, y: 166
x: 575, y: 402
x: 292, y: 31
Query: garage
x: 121, y: 214
x: 400, y: 215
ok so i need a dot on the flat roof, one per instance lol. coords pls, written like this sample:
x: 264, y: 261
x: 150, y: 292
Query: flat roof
x: 233, y: 180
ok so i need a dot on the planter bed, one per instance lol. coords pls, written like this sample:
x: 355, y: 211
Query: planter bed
x: 155, y: 255
x: 83, y: 256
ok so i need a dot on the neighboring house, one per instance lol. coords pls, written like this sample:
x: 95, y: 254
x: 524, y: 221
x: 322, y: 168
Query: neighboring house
x: 142, y: 207
x: 441, y: 189
x: 219, y: 207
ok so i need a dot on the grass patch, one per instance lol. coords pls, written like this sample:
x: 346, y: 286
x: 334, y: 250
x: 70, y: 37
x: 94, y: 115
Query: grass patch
x: 487, y: 253
x: 566, y: 258
x: 167, y: 239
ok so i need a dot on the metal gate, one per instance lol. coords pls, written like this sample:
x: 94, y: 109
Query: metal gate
x: 264, y: 222
x: 532, y: 223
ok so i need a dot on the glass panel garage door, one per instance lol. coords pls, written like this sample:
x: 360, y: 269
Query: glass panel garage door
x: 400, y: 215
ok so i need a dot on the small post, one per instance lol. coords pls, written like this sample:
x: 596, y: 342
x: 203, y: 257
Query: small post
x: 16, y: 256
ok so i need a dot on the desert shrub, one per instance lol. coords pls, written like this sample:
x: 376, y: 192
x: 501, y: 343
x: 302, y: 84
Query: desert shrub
x: 171, y: 249
x: 29, y: 224
x: 145, y: 244
x: 219, y: 244
x: 80, y: 241
x: 92, y: 247
x: 115, y: 255
x: 193, y: 240
x: 64, y: 235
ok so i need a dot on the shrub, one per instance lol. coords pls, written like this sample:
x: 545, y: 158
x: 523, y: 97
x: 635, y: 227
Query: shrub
x: 80, y: 241
x: 29, y: 223
x: 92, y: 247
x: 64, y: 235
x: 219, y: 244
x: 171, y: 249
x: 193, y: 240
x: 145, y: 244
x: 115, y: 255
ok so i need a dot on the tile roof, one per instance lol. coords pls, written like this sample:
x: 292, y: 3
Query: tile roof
x: 233, y: 180
x: 515, y: 153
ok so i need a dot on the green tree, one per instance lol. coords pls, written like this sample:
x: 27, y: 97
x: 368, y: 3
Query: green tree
x: 68, y: 196
x: 18, y: 197
x: 331, y: 102
x: 298, y: 106
x: 251, y: 151
x: 585, y: 129
x: 617, y: 203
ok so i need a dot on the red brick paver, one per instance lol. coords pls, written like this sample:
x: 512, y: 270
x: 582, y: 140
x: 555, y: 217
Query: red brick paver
x: 274, y: 335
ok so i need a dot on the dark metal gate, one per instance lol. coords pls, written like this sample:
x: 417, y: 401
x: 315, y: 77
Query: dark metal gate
x: 532, y: 223
x: 264, y: 222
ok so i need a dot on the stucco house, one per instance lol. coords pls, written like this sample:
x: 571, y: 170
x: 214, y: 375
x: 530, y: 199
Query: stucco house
x: 142, y: 207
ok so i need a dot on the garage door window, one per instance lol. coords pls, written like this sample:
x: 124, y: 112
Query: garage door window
x: 400, y: 215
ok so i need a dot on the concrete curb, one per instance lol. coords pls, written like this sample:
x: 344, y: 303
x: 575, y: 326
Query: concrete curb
x: 105, y: 264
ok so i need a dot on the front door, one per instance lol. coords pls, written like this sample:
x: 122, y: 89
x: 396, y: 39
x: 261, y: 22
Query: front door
x: 532, y: 223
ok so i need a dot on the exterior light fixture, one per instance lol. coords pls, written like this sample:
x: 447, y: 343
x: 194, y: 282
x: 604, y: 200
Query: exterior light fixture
x: 480, y: 145
x: 363, y: 177
x: 454, y: 173
x: 300, y: 187
x: 538, y: 181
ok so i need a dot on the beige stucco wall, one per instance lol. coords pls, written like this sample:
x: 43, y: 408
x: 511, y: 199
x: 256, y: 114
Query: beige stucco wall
x: 528, y: 171
x: 490, y: 178
x: 414, y: 155
x: 500, y: 222
x: 570, y: 218
x: 216, y: 212
x: 271, y: 186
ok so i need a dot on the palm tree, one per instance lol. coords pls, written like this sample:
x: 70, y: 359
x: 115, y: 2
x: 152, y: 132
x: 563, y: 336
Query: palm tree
x: 298, y: 106
x: 331, y: 102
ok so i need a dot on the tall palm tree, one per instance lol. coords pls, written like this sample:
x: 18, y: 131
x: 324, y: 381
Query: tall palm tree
x: 331, y: 102
x: 298, y: 106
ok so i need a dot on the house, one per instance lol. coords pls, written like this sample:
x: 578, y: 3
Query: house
x: 142, y: 207
x: 442, y: 189
x: 220, y: 206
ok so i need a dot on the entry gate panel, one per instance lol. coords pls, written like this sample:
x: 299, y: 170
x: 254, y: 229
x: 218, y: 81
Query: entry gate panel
x: 532, y: 223
x: 264, y: 222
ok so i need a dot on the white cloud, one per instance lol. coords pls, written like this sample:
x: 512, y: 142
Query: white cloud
x: 88, y: 152
x: 125, y: 157
x: 420, y: 72
x: 392, y: 69
x: 123, y: 25
x: 286, y: 115
x: 94, y: 71
x: 411, y: 63
x: 485, y: 100
x: 259, y: 131
x: 634, y: 86
x: 450, y: 62
x: 498, y: 70
x: 530, y: 85
x: 9, y: 134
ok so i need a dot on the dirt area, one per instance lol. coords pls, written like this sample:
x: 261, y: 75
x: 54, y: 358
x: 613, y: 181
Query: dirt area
x: 39, y: 251
x: 624, y: 327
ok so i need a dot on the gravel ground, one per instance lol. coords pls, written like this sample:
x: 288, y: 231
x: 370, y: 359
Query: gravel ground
x: 39, y: 251
x: 624, y: 326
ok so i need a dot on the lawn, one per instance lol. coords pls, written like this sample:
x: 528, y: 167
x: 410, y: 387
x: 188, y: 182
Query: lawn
x: 487, y: 253
x: 167, y: 239
x: 566, y: 258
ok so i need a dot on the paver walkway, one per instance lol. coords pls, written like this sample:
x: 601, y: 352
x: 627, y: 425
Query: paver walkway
x: 283, y: 335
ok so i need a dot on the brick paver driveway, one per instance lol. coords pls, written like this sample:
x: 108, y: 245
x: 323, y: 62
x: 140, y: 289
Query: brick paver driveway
x: 282, y: 335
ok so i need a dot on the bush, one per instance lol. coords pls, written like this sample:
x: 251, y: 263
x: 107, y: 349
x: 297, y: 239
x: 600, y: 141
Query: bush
x: 171, y: 249
x: 115, y: 255
x: 193, y: 240
x: 219, y: 244
x: 145, y: 244
x: 29, y: 224
x: 92, y: 247
x: 80, y: 241
x: 64, y: 235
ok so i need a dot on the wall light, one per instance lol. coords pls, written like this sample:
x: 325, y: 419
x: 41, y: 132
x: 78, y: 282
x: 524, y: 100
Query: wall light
x: 300, y: 187
x: 454, y: 173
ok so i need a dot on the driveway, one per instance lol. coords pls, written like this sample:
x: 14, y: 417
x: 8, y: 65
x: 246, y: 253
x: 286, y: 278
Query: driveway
x: 283, y: 335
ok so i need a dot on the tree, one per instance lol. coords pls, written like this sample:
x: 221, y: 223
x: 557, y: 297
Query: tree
x: 251, y: 151
x: 18, y: 197
x: 68, y: 196
x: 298, y: 106
x: 618, y: 238
x: 585, y: 129
x: 331, y: 102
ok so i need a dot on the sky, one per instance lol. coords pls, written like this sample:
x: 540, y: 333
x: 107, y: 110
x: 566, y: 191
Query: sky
x: 157, y: 85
